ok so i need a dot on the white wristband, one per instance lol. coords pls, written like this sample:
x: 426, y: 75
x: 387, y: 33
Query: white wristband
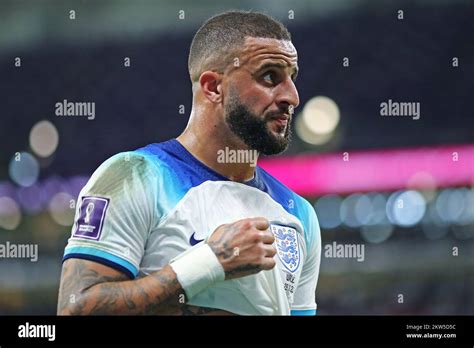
x: 197, y: 269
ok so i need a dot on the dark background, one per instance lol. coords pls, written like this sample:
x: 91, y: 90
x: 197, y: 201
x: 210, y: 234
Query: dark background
x: 82, y: 60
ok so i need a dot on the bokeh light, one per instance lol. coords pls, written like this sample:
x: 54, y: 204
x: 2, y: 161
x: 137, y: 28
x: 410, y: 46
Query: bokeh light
x: 355, y: 210
x: 467, y: 215
x: 327, y: 208
x: 44, y: 138
x: 24, y: 169
x: 318, y: 120
x: 61, y: 210
x: 10, y: 214
x: 321, y: 115
x: 406, y: 208
x: 377, y: 213
x: 450, y: 204
x: 425, y: 183
x: 307, y: 136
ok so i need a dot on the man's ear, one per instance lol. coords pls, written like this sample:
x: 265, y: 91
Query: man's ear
x: 210, y: 83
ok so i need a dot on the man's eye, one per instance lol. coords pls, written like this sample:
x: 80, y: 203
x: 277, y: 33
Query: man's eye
x: 269, y: 77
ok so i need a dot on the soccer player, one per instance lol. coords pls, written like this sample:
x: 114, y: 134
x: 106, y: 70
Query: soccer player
x: 174, y: 228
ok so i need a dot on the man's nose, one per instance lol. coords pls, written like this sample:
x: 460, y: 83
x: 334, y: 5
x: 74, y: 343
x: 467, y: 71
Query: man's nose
x: 288, y: 94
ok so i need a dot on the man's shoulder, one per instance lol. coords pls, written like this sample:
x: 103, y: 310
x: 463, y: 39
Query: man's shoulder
x: 158, y: 150
x: 143, y: 163
x: 150, y: 156
x: 278, y: 188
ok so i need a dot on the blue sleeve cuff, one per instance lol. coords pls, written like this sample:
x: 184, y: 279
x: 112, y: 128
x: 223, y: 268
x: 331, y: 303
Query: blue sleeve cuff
x: 304, y: 312
x: 102, y: 257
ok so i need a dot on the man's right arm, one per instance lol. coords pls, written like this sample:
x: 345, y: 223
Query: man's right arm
x: 89, y: 288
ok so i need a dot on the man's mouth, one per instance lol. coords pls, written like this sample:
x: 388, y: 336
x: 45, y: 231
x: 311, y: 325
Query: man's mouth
x: 281, y: 120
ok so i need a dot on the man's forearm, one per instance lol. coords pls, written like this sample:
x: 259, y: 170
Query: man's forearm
x: 85, y: 292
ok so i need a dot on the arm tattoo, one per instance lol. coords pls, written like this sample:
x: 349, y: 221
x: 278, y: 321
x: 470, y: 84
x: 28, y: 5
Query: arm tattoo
x: 84, y: 291
x: 243, y: 268
x: 221, y: 247
x: 193, y: 310
x: 224, y: 251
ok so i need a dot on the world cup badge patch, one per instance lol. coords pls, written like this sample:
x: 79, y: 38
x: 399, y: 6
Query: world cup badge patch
x: 287, y: 245
x: 91, y: 218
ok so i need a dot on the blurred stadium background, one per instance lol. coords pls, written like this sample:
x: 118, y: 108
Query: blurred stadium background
x: 401, y: 187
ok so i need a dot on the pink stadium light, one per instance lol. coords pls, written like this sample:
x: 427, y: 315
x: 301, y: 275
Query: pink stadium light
x: 379, y: 170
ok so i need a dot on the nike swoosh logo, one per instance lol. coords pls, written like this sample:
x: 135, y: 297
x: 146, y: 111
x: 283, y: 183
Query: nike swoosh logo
x: 194, y: 241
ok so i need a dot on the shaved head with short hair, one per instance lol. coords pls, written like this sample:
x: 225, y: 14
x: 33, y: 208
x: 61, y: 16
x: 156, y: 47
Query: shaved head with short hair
x: 216, y: 42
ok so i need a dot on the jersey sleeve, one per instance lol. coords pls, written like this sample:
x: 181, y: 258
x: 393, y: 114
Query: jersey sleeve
x: 304, y: 301
x: 114, y: 213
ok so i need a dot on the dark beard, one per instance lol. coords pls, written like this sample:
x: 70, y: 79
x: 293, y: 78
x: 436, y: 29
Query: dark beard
x: 253, y: 131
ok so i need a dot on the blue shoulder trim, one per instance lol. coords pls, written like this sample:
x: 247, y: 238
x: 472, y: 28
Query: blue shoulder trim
x: 102, y: 257
x: 304, y: 312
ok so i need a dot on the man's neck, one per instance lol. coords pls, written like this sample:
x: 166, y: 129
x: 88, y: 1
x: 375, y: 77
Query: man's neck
x: 218, y: 156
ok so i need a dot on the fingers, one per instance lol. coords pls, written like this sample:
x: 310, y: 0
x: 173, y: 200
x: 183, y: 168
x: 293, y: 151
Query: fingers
x: 268, y: 263
x: 260, y: 223
x: 270, y: 251
x: 268, y: 237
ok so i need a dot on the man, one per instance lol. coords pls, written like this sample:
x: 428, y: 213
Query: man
x: 172, y: 228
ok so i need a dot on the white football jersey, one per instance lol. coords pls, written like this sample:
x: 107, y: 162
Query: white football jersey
x: 142, y: 209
